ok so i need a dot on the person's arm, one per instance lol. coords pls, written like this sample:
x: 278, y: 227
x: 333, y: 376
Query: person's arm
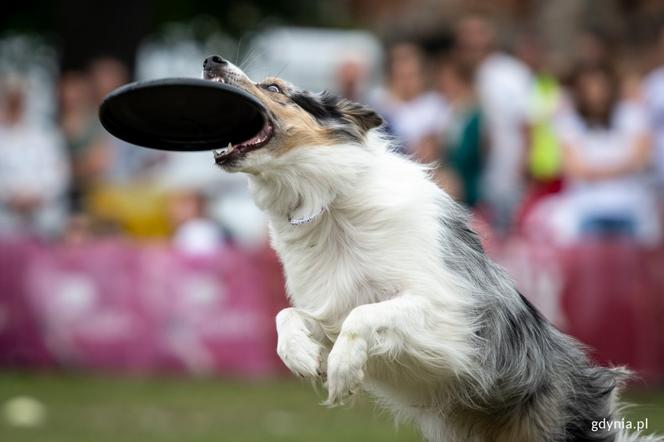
x: 576, y: 167
x: 427, y: 149
x: 640, y: 155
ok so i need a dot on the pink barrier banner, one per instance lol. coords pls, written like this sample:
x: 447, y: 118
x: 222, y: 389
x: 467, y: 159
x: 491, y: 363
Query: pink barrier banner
x: 115, y: 306
x: 21, y: 339
x: 608, y: 293
x: 118, y: 306
x: 614, y: 301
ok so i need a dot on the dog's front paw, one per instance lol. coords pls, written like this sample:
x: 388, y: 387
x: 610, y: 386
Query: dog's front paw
x: 345, y: 368
x: 301, y: 354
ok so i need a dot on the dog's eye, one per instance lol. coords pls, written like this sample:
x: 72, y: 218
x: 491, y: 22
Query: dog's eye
x: 273, y: 88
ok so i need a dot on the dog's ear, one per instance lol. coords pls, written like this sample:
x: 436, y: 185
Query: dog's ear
x: 359, y: 114
x: 329, y: 107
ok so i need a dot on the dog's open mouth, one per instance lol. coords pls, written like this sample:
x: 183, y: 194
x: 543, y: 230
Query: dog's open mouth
x: 232, y: 152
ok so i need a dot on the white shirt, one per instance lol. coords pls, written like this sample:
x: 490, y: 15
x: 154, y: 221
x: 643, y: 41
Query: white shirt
x: 504, y: 86
x: 32, y: 160
x: 411, y: 121
x: 654, y: 98
x: 627, y: 195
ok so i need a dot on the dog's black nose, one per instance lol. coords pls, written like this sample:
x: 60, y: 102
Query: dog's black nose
x: 213, y: 60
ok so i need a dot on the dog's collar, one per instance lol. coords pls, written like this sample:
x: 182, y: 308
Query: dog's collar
x: 297, y: 219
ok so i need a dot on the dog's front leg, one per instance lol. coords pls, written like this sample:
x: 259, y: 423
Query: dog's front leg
x: 298, y: 345
x: 406, y: 324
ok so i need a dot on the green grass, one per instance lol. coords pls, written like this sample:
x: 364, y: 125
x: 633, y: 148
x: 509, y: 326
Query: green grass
x: 101, y: 409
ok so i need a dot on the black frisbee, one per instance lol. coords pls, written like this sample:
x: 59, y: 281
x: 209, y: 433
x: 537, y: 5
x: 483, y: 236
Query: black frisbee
x: 185, y: 114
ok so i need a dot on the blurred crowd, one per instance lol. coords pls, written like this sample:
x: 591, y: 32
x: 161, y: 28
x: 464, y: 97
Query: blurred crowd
x: 72, y: 181
x: 512, y: 134
x: 49, y: 172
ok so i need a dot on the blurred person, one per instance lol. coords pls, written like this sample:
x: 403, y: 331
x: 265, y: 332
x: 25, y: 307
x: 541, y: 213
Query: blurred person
x: 503, y: 85
x: 350, y: 75
x: 114, y: 183
x: 413, y: 114
x: 124, y: 161
x: 195, y: 233
x: 607, y: 150
x: 543, y: 155
x: 461, y: 153
x: 34, y: 171
x: 83, y: 134
x: 653, y: 93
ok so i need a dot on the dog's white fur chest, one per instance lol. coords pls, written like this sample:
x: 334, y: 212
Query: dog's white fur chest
x: 373, y: 239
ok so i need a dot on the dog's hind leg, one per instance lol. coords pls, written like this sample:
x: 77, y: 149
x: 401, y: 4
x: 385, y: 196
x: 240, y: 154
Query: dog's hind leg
x: 433, y: 337
x: 299, y: 344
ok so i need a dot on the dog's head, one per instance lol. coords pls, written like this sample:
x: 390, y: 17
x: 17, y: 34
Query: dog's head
x: 294, y: 119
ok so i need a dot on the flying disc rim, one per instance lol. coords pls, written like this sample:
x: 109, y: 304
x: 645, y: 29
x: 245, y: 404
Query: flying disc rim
x: 112, y: 118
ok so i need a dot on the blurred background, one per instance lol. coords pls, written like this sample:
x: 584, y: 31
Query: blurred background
x: 137, y: 288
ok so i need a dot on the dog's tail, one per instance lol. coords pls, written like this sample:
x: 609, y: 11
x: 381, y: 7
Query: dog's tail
x: 623, y: 375
x: 600, y: 414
